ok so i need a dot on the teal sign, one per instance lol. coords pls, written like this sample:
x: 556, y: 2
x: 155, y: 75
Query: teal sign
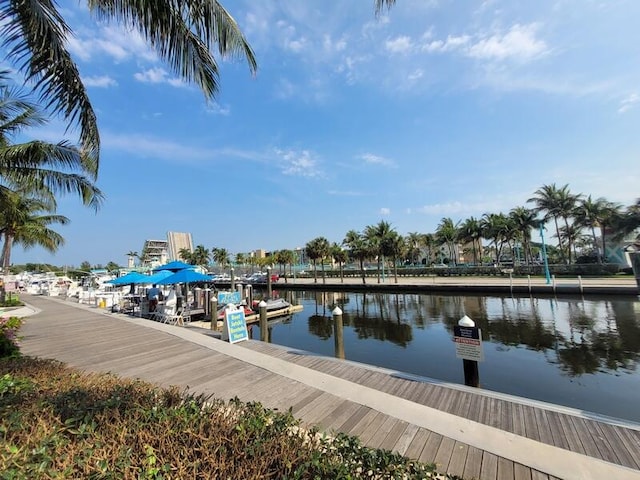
x: 228, y: 297
x: 236, y: 326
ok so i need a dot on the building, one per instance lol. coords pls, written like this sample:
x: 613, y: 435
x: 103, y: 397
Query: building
x: 176, y: 242
x: 154, y: 253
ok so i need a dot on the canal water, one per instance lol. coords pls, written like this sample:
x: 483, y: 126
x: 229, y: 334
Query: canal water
x: 578, y: 352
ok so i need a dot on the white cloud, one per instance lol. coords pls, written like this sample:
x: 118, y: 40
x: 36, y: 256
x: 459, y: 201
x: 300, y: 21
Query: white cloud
x: 402, y: 44
x: 630, y: 101
x: 158, y: 75
x: 102, y: 81
x: 298, y: 163
x: 519, y: 43
x: 372, y: 159
x: 116, y: 42
x: 216, y: 109
x: 451, y: 43
x: 385, y: 211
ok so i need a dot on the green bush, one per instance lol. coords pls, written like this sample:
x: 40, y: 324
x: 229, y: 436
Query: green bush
x: 58, y: 423
x: 9, y: 336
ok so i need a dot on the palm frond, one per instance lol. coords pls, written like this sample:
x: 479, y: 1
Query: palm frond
x: 34, y: 34
x: 183, y: 33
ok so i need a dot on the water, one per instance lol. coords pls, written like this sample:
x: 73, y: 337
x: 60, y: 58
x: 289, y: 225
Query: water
x: 582, y: 353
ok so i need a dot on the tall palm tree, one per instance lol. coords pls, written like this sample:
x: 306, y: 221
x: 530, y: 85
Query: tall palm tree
x: 340, y: 256
x: 43, y: 168
x: 380, y: 237
x: 200, y: 256
x: 471, y: 232
x: 317, y: 249
x: 447, y: 234
x: 597, y: 214
x: 556, y: 203
x: 25, y: 221
x: 184, y: 33
x: 524, y: 220
x: 395, y: 248
x: 185, y: 254
x: 220, y: 256
x: 428, y: 241
x: 413, y: 242
x: 358, y: 249
x: 495, y: 228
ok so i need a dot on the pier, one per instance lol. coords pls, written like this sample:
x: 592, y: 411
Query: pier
x: 469, y: 432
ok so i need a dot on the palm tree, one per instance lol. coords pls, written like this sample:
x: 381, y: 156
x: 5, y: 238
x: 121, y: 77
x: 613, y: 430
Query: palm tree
x: 447, y: 234
x: 185, y: 255
x: 339, y: 256
x: 380, y: 237
x: 395, y: 248
x: 185, y: 34
x: 221, y: 257
x: 471, y: 232
x: 627, y: 222
x: 358, y: 249
x: 43, y: 168
x: 318, y: 249
x: 496, y: 229
x: 132, y: 256
x: 200, y: 256
x: 599, y: 213
x: 524, y: 220
x: 25, y: 221
x: 557, y: 203
x: 428, y: 241
x: 413, y: 242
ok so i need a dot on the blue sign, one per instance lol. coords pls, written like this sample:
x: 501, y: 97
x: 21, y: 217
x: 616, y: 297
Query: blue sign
x: 228, y: 297
x: 236, y: 325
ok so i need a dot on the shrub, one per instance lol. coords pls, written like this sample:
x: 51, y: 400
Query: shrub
x: 9, y: 336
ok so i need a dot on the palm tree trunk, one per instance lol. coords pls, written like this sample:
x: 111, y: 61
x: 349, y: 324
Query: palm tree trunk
x: 604, y: 252
x: 324, y: 278
x: 364, y: 281
x: 6, y: 252
x: 315, y: 272
x: 595, y: 243
x: 564, y: 258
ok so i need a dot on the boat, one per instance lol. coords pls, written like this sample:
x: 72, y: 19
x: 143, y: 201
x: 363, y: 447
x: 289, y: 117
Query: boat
x: 221, y: 309
x: 273, y: 305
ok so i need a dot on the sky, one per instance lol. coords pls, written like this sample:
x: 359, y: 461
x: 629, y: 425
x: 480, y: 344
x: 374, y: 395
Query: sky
x: 433, y: 109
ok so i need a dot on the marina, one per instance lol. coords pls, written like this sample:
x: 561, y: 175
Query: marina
x: 581, y: 352
x: 465, y: 431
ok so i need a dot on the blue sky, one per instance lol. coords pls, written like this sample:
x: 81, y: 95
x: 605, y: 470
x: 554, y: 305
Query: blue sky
x: 434, y: 109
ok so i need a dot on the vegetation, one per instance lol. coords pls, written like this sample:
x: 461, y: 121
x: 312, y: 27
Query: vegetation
x: 184, y: 34
x: 58, y: 423
x: 9, y: 337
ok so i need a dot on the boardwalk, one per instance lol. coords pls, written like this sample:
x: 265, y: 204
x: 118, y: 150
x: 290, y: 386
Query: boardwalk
x: 468, y: 432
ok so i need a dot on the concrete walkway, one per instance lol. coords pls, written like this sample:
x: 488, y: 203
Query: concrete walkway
x: 377, y: 405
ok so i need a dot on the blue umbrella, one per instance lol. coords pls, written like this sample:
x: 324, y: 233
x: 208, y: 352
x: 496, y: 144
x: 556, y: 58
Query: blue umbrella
x: 187, y: 275
x: 173, y: 266
x: 131, y: 277
x: 156, y: 277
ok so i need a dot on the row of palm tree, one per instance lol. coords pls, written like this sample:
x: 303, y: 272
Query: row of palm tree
x: 571, y: 214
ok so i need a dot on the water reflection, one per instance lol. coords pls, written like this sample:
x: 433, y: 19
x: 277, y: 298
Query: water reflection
x: 579, y: 352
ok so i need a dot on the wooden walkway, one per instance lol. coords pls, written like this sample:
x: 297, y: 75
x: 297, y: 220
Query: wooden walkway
x: 95, y: 341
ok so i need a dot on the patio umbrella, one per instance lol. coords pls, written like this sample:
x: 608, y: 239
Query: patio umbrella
x: 187, y: 275
x: 173, y: 266
x: 131, y: 277
x: 156, y: 277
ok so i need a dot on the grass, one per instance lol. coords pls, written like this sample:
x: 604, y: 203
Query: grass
x: 56, y: 422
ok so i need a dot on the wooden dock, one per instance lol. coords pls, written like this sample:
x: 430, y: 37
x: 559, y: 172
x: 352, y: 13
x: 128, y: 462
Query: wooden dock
x: 468, y: 432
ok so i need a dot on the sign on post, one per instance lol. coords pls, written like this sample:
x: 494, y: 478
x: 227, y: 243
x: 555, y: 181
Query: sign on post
x: 235, y: 325
x: 228, y: 297
x: 468, y: 343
